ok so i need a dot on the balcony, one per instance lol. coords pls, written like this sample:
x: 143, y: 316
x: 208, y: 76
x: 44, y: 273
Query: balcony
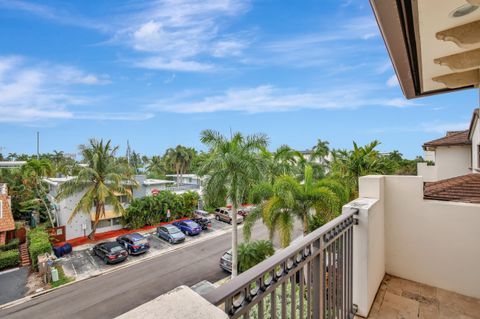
x: 391, y: 254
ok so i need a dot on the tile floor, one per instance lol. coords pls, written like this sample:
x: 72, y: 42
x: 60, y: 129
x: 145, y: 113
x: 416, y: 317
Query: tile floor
x: 404, y: 299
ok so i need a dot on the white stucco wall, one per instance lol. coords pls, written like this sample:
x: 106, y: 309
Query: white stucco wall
x: 368, y: 244
x: 453, y: 161
x: 428, y: 172
x: 432, y: 242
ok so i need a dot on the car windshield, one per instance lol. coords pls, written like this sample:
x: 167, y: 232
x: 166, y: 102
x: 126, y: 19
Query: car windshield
x: 115, y: 249
x: 227, y: 256
x: 140, y: 241
x: 191, y: 224
x: 173, y: 230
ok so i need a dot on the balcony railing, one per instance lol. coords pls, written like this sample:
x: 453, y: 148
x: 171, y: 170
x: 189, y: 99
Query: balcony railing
x: 311, y: 278
x: 184, y: 187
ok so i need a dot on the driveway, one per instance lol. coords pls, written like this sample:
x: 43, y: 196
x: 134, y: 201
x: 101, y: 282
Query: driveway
x: 82, y: 264
x: 13, y: 284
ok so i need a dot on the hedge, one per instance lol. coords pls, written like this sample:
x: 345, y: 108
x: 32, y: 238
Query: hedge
x: 13, y: 244
x: 9, y: 258
x: 152, y: 210
x: 38, y: 244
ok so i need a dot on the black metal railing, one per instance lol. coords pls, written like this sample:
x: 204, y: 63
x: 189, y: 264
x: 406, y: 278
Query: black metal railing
x: 311, y: 278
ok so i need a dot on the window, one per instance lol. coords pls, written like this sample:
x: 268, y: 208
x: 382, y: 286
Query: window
x: 116, y: 221
x: 103, y: 223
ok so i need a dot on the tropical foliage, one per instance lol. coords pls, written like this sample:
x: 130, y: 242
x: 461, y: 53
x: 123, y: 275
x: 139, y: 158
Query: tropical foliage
x: 232, y: 169
x: 152, y: 210
x: 252, y: 253
x: 100, y: 182
x: 38, y: 244
x: 288, y: 200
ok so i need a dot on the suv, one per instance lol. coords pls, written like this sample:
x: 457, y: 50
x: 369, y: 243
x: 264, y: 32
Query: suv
x: 224, y: 214
x: 226, y: 261
x: 110, y: 252
x: 135, y: 243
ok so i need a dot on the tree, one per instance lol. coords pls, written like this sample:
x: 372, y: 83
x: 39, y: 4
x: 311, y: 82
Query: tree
x: 33, y: 173
x: 281, y: 162
x: 156, y: 167
x: 320, y: 151
x: 233, y: 167
x: 100, y: 181
x: 179, y: 159
x: 250, y: 254
x: 289, y: 199
x: 348, y: 166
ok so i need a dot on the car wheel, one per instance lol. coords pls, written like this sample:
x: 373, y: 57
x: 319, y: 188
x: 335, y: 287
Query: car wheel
x: 230, y: 221
x: 129, y: 251
x: 105, y: 260
x: 217, y: 218
x: 170, y: 241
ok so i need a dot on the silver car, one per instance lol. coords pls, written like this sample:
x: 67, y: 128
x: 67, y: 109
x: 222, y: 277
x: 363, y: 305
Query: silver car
x: 225, y: 215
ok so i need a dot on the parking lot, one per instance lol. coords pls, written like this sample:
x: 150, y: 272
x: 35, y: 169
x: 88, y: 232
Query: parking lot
x: 82, y: 264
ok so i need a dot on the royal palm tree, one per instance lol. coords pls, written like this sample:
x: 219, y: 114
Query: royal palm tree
x: 100, y: 181
x: 179, y: 158
x: 281, y: 162
x: 288, y: 199
x: 233, y: 167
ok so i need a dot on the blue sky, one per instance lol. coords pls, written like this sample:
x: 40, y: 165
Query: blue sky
x: 159, y: 72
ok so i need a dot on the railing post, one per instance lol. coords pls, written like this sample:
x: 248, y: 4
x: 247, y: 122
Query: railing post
x: 318, y: 278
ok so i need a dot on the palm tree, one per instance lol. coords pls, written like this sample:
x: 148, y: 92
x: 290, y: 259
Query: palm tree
x: 32, y: 175
x: 289, y: 199
x: 348, y: 166
x: 281, y: 162
x: 156, y: 166
x: 250, y: 254
x: 233, y: 167
x: 321, y: 150
x: 100, y: 182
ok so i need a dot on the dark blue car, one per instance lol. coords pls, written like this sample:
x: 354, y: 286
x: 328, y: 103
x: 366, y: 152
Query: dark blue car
x: 134, y: 243
x: 188, y: 227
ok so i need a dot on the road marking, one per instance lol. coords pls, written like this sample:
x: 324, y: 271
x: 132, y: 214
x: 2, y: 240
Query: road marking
x: 9, y: 271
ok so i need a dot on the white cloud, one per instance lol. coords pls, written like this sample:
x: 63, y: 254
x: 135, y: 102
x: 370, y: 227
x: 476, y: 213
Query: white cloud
x: 267, y: 98
x: 34, y: 91
x: 158, y: 63
x: 392, y: 81
x: 439, y: 127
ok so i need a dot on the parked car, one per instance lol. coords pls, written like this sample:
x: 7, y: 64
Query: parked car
x: 245, y: 211
x: 225, y: 215
x: 170, y: 233
x: 202, y: 218
x: 226, y: 261
x: 110, y: 252
x: 188, y: 227
x: 134, y: 243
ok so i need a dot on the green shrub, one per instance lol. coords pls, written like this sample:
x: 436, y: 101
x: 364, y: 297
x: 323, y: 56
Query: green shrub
x: 38, y: 244
x: 13, y: 244
x: 9, y: 258
x: 152, y: 210
x: 250, y: 254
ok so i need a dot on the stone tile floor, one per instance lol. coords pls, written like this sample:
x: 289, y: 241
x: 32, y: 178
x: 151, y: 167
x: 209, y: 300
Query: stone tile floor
x: 404, y: 299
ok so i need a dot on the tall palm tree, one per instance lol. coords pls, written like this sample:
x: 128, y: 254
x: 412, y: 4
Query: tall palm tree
x: 233, y: 167
x: 156, y: 166
x: 100, y: 182
x: 281, y: 162
x: 33, y: 173
x: 321, y: 150
x: 288, y: 199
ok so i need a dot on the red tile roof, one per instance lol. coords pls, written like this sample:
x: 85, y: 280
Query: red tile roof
x: 6, y: 222
x: 451, y: 139
x: 464, y: 188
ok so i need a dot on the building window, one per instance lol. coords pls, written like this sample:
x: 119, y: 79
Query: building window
x: 123, y: 199
x: 103, y: 223
x: 116, y: 221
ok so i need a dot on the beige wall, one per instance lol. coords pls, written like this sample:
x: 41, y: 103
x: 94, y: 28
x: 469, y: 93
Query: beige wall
x: 453, y: 161
x: 475, y: 143
x: 428, y: 172
x: 433, y: 242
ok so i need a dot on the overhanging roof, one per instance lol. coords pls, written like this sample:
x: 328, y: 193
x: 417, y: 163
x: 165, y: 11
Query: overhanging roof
x: 432, y: 52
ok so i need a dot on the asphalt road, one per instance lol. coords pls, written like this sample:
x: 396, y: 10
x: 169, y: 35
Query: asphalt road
x: 13, y: 284
x: 112, y: 294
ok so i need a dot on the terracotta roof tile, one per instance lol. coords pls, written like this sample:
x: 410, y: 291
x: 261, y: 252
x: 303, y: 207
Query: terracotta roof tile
x: 464, y: 188
x: 452, y: 138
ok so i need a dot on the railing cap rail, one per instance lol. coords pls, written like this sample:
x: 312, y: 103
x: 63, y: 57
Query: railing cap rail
x: 219, y: 294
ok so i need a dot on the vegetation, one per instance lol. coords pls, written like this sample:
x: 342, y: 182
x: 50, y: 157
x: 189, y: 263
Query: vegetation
x: 9, y: 258
x: 12, y: 244
x: 152, y: 210
x: 231, y: 170
x: 289, y: 198
x: 252, y: 253
x: 62, y: 278
x: 100, y: 181
x: 38, y: 244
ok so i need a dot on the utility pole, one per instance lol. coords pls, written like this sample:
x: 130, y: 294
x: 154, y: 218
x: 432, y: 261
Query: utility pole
x: 38, y: 145
x: 129, y: 151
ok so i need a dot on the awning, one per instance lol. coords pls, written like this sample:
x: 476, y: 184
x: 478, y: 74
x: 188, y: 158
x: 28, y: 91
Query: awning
x: 108, y: 214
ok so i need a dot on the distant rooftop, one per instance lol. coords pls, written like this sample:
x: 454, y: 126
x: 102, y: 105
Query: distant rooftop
x: 464, y: 188
x: 58, y: 180
x: 151, y: 181
x: 11, y: 164
x: 452, y: 138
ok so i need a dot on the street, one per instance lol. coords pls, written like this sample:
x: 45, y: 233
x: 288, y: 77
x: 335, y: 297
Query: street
x: 112, y: 294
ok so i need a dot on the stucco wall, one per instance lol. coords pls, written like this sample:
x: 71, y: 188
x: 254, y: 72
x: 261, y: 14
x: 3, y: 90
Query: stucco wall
x: 432, y: 242
x: 453, y: 161
x: 475, y: 143
x: 428, y: 172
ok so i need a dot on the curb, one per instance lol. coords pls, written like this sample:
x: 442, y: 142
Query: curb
x: 164, y: 252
